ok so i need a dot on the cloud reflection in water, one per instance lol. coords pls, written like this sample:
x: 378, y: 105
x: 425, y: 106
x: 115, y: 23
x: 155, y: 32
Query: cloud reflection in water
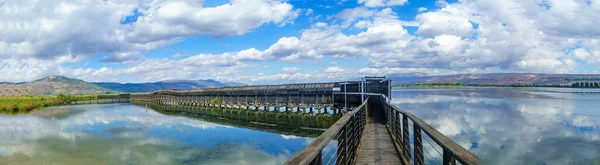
x: 129, y: 134
x: 511, y: 125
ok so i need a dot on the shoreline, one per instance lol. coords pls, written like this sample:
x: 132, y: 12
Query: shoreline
x: 25, y: 104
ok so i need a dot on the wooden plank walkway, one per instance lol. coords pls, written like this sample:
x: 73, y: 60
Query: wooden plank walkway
x: 377, y: 146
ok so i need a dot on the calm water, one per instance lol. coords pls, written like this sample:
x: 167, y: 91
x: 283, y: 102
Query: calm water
x: 500, y: 125
x: 130, y: 134
x: 512, y: 125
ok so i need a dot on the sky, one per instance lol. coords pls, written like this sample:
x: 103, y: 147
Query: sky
x: 277, y: 41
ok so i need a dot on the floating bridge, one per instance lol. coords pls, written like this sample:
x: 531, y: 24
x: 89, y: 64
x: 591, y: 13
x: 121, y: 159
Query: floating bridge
x: 370, y: 130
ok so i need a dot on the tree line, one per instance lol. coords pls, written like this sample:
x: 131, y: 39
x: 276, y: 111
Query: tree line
x: 429, y: 84
x: 573, y: 85
x: 585, y: 85
x: 439, y: 84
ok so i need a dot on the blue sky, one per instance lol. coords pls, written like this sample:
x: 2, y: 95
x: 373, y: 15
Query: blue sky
x: 273, y: 41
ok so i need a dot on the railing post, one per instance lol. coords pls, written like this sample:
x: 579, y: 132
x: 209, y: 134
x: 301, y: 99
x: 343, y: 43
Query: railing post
x: 318, y: 160
x: 390, y: 116
x: 395, y: 118
x: 405, y: 137
x: 418, y: 143
x: 387, y: 117
x: 343, y: 146
x: 352, y: 137
x: 397, y: 126
x: 448, y: 158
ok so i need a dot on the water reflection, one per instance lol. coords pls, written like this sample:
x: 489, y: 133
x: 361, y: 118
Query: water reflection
x: 512, y: 125
x: 129, y: 134
x: 292, y: 123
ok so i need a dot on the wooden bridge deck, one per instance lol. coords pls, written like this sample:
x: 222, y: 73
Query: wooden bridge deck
x: 371, y: 122
x: 377, y: 146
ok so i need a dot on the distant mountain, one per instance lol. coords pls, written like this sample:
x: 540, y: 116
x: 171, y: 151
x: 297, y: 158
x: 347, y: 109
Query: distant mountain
x: 234, y: 84
x: 51, y: 85
x: 170, y: 84
x: 54, y: 85
x: 500, y: 79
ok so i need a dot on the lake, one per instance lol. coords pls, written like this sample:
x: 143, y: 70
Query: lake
x: 132, y: 134
x: 500, y: 125
x: 511, y: 125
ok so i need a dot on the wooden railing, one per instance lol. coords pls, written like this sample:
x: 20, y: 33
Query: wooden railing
x: 399, y: 122
x: 347, y: 131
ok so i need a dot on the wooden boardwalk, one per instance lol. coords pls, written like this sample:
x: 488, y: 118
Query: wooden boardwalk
x: 367, y: 122
x: 377, y: 146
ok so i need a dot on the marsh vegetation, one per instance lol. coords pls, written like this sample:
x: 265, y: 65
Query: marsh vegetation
x: 26, y: 103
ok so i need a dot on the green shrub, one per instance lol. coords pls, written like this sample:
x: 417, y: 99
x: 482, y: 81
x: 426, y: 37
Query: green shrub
x: 215, y: 101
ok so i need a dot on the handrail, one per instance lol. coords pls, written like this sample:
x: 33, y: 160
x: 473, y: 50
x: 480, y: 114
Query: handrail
x: 452, y: 150
x: 311, y: 154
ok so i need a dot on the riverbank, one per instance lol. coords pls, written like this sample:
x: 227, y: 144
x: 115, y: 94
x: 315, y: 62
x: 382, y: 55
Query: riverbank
x: 23, y: 104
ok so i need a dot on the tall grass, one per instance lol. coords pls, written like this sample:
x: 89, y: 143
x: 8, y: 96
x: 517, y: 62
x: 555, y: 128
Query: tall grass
x: 27, y: 103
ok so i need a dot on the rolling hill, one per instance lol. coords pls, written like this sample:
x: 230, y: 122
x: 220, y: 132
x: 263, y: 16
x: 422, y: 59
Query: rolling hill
x: 500, y: 79
x: 51, y: 85
x: 54, y: 85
